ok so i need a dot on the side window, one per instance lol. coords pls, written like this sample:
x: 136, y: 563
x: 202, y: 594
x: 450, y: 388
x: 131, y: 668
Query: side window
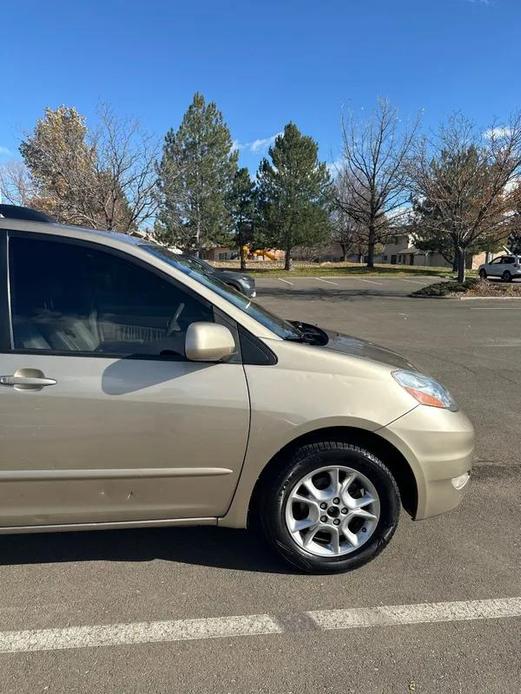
x: 67, y: 297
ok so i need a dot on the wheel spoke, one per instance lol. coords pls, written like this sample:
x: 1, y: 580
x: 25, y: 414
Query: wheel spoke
x: 314, y: 491
x: 305, y: 500
x: 348, y: 481
x: 335, y: 540
x: 334, y: 475
x: 361, y: 502
x: 350, y: 536
x: 310, y: 535
x: 362, y: 513
x: 297, y: 526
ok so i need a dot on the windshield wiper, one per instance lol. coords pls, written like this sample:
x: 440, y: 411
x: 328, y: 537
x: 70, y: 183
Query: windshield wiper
x: 308, y: 334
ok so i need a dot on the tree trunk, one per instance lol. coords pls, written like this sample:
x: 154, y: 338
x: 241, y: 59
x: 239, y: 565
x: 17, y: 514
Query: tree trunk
x: 287, y: 259
x: 343, y: 246
x: 242, y: 255
x: 371, y: 243
x: 461, y: 264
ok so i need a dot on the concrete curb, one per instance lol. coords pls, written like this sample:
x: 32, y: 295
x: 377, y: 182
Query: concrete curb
x: 490, y: 298
x: 466, y: 298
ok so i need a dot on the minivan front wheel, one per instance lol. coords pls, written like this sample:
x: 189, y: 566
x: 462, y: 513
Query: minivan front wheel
x: 332, y: 508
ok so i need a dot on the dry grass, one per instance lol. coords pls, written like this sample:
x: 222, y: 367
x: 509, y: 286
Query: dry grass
x: 309, y: 269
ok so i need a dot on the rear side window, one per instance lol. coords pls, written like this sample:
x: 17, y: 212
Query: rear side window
x: 68, y: 297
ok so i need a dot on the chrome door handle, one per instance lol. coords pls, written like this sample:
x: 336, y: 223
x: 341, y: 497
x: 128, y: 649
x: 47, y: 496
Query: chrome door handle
x: 26, y: 381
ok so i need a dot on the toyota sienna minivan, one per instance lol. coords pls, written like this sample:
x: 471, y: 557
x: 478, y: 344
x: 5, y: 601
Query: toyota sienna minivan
x: 137, y: 392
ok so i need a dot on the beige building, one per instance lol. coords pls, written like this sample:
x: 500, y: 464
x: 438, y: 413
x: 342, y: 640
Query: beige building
x: 400, y: 250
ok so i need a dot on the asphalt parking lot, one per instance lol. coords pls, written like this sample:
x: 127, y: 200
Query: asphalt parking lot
x: 459, y: 575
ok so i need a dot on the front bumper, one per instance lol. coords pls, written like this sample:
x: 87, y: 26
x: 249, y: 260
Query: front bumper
x: 439, y: 446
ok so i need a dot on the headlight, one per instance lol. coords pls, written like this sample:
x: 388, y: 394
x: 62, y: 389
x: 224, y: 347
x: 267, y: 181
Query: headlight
x: 425, y: 390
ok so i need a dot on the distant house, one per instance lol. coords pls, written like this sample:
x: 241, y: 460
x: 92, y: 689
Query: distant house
x: 400, y: 250
x: 220, y: 253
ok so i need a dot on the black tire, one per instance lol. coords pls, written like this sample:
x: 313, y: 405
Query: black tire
x: 276, y: 489
x: 506, y: 276
x: 483, y: 274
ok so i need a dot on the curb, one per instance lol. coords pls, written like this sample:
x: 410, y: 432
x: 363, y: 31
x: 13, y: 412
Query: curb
x: 466, y: 298
x: 490, y: 298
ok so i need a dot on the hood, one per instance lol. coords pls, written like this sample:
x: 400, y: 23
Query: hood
x: 232, y: 275
x: 366, y: 350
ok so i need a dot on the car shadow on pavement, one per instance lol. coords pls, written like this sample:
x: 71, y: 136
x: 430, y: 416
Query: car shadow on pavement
x: 207, y: 546
x: 331, y: 294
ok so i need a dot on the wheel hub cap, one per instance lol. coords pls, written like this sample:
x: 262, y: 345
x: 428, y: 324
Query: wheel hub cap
x: 332, y: 511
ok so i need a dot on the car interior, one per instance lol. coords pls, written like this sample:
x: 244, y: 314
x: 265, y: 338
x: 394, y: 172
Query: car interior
x: 87, y: 300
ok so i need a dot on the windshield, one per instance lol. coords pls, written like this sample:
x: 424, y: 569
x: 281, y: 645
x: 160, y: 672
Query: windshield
x: 195, y: 269
x: 197, y: 264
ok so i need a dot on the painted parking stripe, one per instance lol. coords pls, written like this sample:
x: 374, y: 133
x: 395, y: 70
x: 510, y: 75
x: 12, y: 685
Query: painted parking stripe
x: 424, y: 613
x: 136, y: 633
x: 496, y: 308
x: 104, y: 635
x: 285, y: 281
x: 369, y: 281
x: 413, y: 281
x: 321, y: 279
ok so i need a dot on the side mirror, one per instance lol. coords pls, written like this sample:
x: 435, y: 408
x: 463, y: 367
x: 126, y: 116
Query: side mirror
x: 208, y: 342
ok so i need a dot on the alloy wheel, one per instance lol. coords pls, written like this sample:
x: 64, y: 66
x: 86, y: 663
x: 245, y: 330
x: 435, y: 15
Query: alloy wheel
x: 332, y: 511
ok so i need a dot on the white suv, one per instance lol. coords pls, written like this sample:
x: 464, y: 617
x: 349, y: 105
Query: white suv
x: 506, y: 266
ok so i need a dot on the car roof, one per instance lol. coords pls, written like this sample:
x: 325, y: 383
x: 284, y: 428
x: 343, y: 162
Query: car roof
x: 68, y: 230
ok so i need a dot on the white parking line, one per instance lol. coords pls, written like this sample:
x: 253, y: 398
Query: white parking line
x: 138, y: 632
x: 424, y: 613
x: 321, y: 279
x: 250, y: 625
x: 496, y: 308
x: 285, y: 281
x: 370, y: 281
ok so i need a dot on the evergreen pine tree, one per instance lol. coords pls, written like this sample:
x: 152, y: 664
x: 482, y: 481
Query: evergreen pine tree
x: 196, y: 174
x: 294, y: 193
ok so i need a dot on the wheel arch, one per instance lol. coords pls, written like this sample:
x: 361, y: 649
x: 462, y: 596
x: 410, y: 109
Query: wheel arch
x: 383, y: 449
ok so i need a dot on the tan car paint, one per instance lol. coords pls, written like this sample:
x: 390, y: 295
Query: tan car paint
x: 139, y: 439
x: 330, y: 389
x: 154, y: 442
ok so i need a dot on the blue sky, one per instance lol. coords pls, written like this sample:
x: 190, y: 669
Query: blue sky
x: 264, y: 62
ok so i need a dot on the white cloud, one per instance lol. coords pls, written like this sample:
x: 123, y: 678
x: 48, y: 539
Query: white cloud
x: 497, y: 132
x: 4, y: 150
x: 334, y: 167
x: 256, y: 145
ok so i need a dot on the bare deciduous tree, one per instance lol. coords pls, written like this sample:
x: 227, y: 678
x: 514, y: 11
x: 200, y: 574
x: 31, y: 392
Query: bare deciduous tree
x: 125, y: 167
x: 375, y: 154
x: 345, y: 230
x: 105, y: 179
x: 461, y: 181
x: 16, y: 186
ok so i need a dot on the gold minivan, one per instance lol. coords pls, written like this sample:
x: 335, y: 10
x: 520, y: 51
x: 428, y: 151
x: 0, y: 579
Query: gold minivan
x: 138, y: 391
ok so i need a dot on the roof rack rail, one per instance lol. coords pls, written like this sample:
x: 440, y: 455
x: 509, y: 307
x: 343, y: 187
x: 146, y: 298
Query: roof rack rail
x: 25, y: 213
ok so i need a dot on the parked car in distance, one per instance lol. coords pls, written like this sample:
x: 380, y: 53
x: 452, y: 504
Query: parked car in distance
x: 240, y: 281
x: 505, y: 266
x: 136, y: 390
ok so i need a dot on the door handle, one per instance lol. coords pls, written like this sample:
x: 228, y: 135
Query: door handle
x: 27, y: 379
